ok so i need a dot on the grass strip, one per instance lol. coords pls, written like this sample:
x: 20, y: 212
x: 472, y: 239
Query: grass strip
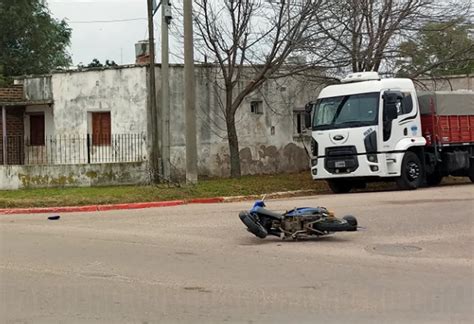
x: 246, y: 185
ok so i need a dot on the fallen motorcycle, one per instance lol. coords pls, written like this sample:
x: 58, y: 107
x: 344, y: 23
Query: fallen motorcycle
x: 297, y: 223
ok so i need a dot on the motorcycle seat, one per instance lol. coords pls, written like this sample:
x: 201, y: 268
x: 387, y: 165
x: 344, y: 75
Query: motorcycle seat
x: 269, y: 213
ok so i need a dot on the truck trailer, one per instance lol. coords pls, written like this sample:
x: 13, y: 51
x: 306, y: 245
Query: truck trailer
x: 370, y: 129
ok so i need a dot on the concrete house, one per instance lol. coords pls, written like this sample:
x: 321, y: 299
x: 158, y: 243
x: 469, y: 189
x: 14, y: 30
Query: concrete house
x: 91, y: 127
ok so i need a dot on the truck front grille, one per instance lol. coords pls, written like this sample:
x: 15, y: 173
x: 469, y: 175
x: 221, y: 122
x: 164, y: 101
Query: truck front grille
x: 341, y: 159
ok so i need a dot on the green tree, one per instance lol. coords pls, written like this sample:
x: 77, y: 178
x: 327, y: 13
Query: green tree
x: 31, y: 40
x: 438, y: 49
x: 95, y: 63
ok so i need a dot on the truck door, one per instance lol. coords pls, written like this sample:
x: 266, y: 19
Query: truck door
x: 398, y: 118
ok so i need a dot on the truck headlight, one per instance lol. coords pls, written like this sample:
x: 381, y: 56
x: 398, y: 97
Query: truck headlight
x: 314, y: 162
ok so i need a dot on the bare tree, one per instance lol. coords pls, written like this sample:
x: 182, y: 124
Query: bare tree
x: 368, y: 33
x: 251, y: 42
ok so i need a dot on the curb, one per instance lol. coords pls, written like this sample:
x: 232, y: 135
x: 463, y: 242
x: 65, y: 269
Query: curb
x: 273, y: 195
x: 90, y: 208
x: 205, y: 200
x: 153, y: 204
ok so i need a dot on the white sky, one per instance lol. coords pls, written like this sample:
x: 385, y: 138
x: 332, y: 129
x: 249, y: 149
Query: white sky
x: 113, y: 41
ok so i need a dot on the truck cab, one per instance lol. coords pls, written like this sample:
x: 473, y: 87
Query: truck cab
x: 367, y: 128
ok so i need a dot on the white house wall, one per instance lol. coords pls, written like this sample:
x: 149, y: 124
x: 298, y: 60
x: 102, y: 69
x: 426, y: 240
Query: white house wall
x: 261, y: 150
x: 267, y: 141
x: 122, y: 92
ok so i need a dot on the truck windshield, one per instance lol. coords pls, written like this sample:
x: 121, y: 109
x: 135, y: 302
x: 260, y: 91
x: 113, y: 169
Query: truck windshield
x: 346, y: 111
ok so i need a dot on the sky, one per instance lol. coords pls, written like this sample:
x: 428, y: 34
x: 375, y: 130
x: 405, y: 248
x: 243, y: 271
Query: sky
x: 108, y: 40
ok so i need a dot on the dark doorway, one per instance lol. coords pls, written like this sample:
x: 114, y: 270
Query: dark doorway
x: 37, y: 130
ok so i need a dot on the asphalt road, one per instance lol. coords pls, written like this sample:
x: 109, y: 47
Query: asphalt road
x: 196, y: 263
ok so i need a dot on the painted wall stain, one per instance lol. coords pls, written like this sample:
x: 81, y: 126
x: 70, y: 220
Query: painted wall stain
x: 17, y: 177
x: 37, y: 181
x: 246, y: 154
x: 295, y: 158
x: 270, y: 159
x: 91, y: 174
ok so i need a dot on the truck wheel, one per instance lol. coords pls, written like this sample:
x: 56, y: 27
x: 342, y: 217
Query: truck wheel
x: 471, y: 170
x: 340, y: 186
x: 411, y: 173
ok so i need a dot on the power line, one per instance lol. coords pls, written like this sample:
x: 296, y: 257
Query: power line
x: 103, y: 21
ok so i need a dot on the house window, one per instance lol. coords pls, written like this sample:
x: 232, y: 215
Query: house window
x: 256, y: 107
x: 37, y: 130
x: 101, y: 129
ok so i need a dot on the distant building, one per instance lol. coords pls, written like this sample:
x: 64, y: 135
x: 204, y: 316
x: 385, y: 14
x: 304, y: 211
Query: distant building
x: 92, y: 127
x: 89, y: 118
x: 447, y: 83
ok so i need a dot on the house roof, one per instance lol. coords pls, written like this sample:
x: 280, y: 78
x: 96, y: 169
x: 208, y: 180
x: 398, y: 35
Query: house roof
x: 25, y: 103
x: 15, y: 96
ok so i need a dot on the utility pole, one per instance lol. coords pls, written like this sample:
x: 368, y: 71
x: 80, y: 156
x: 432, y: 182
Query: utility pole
x: 165, y: 89
x: 152, y: 113
x: 189, y: 95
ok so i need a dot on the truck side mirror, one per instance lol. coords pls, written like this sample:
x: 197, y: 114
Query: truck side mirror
x: 307, y: 119
x: 390, y: 102
x: 307, y: 114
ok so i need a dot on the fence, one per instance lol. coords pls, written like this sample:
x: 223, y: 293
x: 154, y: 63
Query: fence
x: 74, y: 149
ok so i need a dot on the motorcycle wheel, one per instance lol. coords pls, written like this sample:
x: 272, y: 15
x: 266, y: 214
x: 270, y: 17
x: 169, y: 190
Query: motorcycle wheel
x: 351, y: 220
x: 335, y: 226
x: 253, y: 225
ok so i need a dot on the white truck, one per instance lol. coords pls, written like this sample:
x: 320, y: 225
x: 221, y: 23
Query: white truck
x: 368, y: 129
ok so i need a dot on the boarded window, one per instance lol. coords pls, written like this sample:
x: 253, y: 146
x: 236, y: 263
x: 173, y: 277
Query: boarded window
x: 101, y: 130
x: 37, y: 130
